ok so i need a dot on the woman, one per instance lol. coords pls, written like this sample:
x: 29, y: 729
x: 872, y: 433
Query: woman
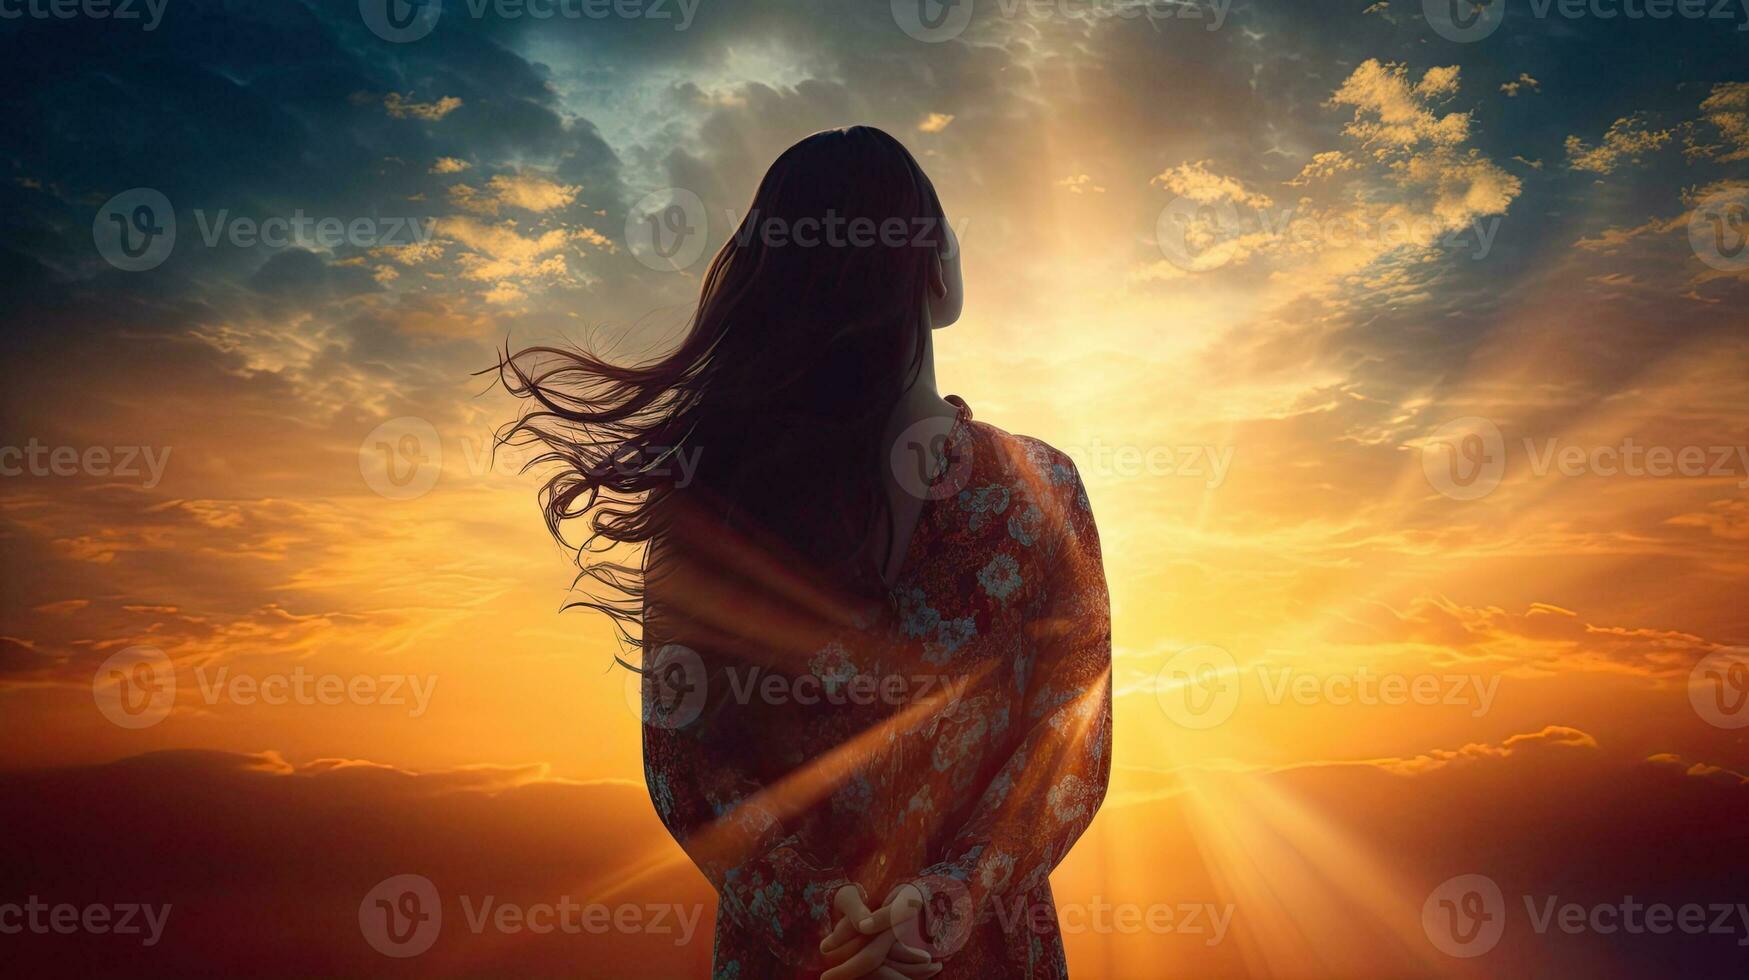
x: 876, y: 632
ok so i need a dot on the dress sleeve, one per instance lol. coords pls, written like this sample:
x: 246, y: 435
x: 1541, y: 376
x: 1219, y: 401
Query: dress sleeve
x: 767, y: 882
x: 1047, y: 791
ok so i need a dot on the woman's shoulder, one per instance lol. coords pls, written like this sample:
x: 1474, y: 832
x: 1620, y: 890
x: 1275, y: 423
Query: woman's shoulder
x: 1002, y: 457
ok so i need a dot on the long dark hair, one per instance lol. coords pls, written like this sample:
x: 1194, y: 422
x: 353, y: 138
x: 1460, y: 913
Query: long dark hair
x: 810, y: 325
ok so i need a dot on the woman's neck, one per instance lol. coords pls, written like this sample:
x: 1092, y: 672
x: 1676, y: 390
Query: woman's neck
x: 922, y: 400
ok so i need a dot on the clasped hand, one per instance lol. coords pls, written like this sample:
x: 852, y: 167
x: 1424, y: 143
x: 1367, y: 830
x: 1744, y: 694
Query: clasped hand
x: 865, y: 944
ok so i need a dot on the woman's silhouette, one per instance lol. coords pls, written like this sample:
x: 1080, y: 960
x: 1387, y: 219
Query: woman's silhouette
x: 876, y: 632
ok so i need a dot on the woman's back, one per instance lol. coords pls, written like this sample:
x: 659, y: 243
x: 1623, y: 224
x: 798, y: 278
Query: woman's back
x: 955, y: 735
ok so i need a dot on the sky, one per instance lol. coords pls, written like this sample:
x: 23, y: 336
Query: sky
x: 1401, y: 347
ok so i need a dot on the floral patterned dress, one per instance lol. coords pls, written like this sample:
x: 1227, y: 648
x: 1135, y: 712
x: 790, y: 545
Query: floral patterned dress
x: 957, y: 737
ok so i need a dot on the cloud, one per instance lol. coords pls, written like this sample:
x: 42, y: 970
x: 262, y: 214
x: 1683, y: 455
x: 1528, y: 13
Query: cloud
x: 1542, y: 637
x: 402, y: 107
x: 508, y: 260
x: 1406, y: 195
x: 1727, y: 519
x: 1529, y: 811
x: 935, y: 122
x: 524, y: 191
x: 1700, y: 770
x: 1435, y: 175
x: 1080, y: 184
x: 413, y: 254
x: 1726, y: 109
x: 1559, y: 736
x: 504, y: 834
x: 1390, y: 114
x: 1324, y: 166
x: 1662, y: 249
x: 1196, y: 182
x: 21, y: 657
x: 1524, y: 82
x: 1627, y: 141
x: 449, y: 165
